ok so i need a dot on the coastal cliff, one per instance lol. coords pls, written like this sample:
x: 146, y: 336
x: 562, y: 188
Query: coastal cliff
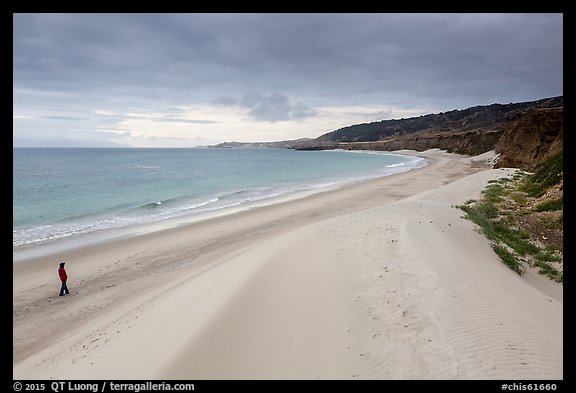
x: 472, y: 142
x: 530, y: 138
x: 523, y: 134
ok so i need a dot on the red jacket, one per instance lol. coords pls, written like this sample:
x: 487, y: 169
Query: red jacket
x: 62, y: 273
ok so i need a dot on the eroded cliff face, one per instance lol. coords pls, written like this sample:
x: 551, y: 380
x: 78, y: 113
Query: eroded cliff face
x: 530, y: 138
x: 463, y: 142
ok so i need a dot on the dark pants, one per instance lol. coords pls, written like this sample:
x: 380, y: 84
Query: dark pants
x: 64, y: 289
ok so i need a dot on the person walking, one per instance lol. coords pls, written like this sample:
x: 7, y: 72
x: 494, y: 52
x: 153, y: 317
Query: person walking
x: 63, y: 277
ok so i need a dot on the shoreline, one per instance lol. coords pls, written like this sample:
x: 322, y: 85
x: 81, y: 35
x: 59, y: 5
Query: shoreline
x: 58, y: 245
x: 378, y: 280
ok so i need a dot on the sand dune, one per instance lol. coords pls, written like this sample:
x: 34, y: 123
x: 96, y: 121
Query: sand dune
x: 380, y: 280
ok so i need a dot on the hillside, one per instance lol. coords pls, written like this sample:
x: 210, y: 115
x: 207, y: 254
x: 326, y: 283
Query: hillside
x: 484, y: 118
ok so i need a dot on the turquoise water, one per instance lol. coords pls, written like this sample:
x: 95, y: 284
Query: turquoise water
x: 61, y: 193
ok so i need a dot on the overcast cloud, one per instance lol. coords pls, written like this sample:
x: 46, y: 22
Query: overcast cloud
x: 197, y: 79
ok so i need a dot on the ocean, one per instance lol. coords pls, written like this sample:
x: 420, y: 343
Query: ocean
x: 61, y: 193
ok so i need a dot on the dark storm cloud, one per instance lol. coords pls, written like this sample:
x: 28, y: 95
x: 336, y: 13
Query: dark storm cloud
x: 293, y: 61
x: 333, y: 54
x: 274, y: 107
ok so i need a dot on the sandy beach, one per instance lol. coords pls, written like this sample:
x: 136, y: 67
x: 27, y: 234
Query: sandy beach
x: 379, y: 280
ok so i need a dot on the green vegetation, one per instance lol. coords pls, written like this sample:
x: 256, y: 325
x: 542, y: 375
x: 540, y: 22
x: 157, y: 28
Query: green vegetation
x: 508, y: 258
x: 547, y: 175
x: 519, y: 198
x: 511, y: 215
x: 550, y: 205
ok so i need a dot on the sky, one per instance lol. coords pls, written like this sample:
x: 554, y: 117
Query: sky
x: 183, y: 80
